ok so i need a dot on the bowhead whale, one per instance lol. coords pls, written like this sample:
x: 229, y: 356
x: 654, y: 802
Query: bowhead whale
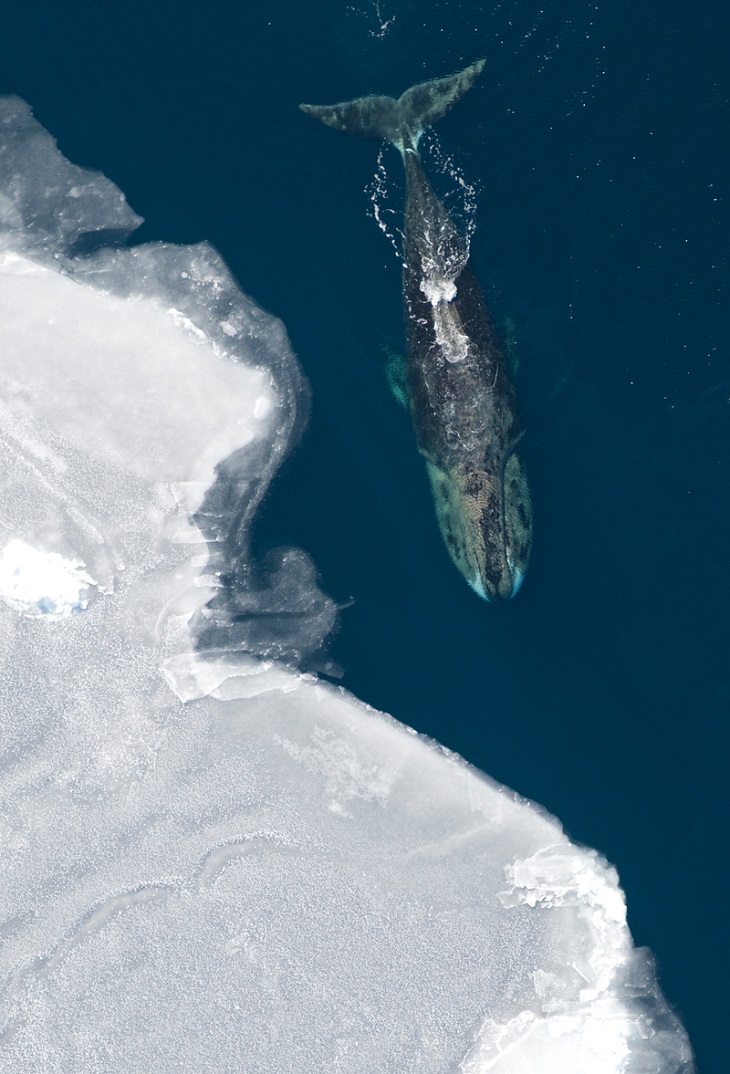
x: 461, y: 395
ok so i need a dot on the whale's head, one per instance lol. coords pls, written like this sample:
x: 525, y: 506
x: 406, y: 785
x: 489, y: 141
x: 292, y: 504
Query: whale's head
x: 485, y: 518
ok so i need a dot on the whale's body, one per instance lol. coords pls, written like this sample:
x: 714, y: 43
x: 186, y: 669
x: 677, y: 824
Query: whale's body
x: 461, y: 395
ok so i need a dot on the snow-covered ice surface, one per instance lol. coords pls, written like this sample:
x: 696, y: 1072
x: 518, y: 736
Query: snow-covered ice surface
x: 212, y: 861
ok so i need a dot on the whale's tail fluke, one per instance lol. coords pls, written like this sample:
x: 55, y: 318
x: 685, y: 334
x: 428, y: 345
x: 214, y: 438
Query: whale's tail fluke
x: 400, y: 122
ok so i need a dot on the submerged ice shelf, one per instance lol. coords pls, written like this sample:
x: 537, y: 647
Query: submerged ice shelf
x: 213, y: 861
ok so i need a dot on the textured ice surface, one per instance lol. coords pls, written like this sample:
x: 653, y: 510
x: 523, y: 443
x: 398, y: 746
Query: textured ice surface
x: 212, y: 861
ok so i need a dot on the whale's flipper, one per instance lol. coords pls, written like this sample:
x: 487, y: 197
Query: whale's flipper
x: 396, y: 375
x: 401, y: 121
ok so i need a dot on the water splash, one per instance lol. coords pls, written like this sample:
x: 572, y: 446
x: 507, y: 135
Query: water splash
x: 375, y: 11
x: 451, y: 249
x: 458, y: 195
x: 381, y: 193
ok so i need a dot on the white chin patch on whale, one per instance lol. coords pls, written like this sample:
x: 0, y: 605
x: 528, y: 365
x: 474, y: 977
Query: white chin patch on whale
x: 478, y: 587
x: 517, y: 574
x: 518, y: 578
x: 476, y: 584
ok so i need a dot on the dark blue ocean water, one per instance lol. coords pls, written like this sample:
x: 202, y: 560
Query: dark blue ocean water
x: 597, y: 137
